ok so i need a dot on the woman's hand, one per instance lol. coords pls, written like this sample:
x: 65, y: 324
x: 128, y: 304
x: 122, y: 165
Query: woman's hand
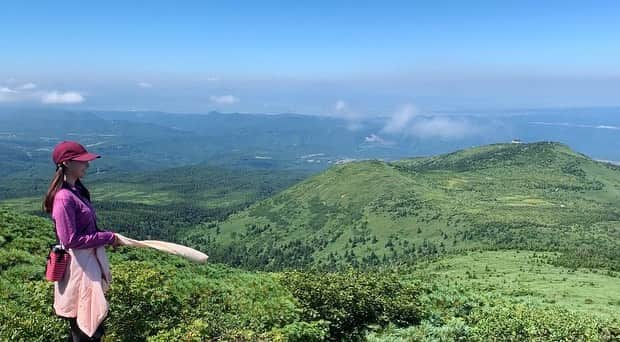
x: 117, y: 241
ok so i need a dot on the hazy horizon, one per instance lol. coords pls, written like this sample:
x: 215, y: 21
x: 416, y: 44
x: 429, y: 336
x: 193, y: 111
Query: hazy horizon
x: 343, y: 60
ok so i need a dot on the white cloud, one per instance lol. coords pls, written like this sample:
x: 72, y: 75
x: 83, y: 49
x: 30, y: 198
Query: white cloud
x: 28, y: 93
x: 7, y: 90
x: 343, y: 111
x: 406, y: 121
x: 224, y: 99
x: 401, y: 119
x: 373, y: 138
x: 213, y: 79
x: 55, y: 97
x: 8, y: 95
x: 340, y: 105
x: 377, y: 140
x: 145, y: 85
x: 443, y: 127
x: 28, y: 86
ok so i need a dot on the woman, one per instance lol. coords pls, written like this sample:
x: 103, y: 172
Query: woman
x: 80, y: 295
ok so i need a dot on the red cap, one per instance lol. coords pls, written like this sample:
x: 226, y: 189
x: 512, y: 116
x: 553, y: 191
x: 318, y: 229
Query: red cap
x: 71, y: 150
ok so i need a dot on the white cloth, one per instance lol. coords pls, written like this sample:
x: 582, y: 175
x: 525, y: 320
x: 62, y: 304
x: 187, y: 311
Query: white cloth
x: 168, y: 247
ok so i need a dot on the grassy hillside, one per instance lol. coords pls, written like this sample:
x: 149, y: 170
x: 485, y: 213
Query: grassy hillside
x: 152, y: 295
x: 502, y: 295
x: 166, y: 298
x: 155, y: 297
x: 527, y: 277
x: 539, y: 196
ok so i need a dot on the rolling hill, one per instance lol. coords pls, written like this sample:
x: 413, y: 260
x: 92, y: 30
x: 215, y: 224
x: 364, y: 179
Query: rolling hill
x: 538, y: 196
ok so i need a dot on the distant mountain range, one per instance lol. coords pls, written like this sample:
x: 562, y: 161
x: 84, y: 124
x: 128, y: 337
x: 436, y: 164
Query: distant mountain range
x: 155, y: 140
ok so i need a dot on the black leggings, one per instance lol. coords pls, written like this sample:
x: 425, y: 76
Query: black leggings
x: 78, y: 335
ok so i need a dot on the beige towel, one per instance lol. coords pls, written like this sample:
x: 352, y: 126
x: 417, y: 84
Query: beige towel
x: 168, y: 247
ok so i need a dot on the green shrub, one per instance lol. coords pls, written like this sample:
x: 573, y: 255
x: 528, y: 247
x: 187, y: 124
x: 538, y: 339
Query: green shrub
x: 141, y: 302
x: 351, y: 301
x: 27, y: 315
x: 521, y: 322
x: 300, y: 332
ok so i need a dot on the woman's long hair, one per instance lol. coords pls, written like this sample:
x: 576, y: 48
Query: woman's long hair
x: 56, y: 184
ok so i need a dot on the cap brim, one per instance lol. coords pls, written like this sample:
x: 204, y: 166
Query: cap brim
x: 86, y: 157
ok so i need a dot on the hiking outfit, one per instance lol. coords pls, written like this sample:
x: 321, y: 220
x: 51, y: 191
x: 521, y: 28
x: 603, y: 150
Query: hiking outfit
x: 79, y: 295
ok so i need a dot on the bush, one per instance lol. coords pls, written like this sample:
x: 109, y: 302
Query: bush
x: 300, y: 332
x: 141, y: 302
x: 352, y: 301
x: 521, y: 322
x: 28, y: 314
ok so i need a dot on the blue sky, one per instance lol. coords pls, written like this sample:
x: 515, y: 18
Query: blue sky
x: 260, y: 56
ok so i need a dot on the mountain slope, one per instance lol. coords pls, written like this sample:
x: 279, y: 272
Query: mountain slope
x: 156, y: 204
x: 540, y: 196
x: 158, y: 297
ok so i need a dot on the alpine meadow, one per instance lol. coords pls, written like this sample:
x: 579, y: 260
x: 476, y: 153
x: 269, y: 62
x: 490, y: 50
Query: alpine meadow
x: 496, y: 241
x: 305, y: 171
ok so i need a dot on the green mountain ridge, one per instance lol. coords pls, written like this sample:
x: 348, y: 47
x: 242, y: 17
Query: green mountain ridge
x: 538, y: 196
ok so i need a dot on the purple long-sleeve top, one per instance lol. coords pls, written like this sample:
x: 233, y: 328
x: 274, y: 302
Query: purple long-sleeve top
x: 75, y: 220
